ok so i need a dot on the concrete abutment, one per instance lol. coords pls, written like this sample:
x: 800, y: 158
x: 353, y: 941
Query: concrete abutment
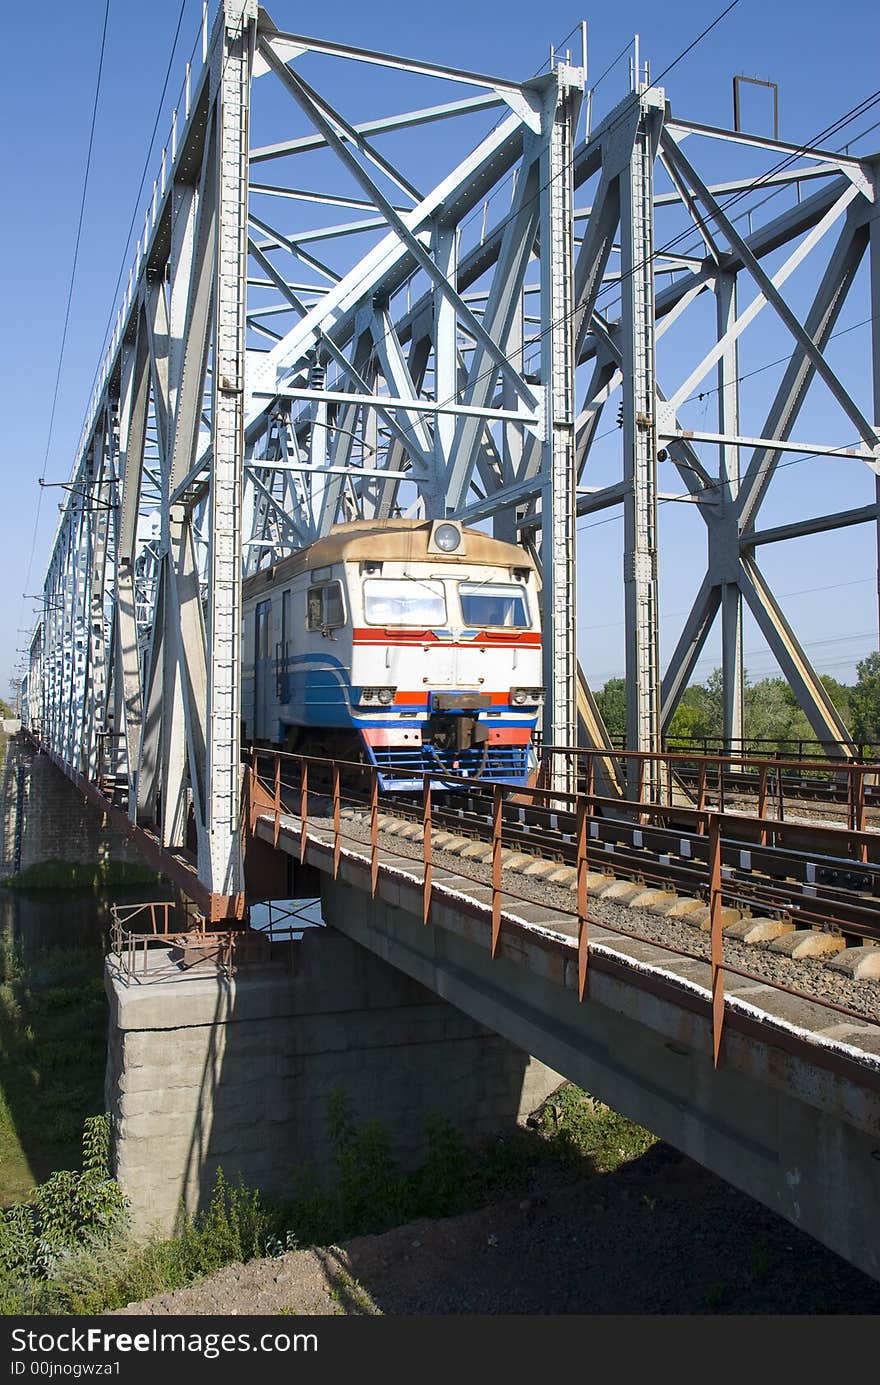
x: 44, y: 818
x: 205, y: 1071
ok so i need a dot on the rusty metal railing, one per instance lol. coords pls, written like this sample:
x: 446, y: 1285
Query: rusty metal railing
x: 279, y: 786
x: 773, y: 782
x: 161, y: 939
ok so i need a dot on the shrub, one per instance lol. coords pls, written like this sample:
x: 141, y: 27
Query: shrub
x: 67, y: 1211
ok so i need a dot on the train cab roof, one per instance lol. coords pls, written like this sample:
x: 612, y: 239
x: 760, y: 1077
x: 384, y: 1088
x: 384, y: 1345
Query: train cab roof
x: 392, y: 540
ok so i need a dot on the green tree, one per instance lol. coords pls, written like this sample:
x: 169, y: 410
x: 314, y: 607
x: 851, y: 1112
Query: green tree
x: 865, y: 700
x: 799, y: 727
x: 768, y: 711
x: 611, y: 702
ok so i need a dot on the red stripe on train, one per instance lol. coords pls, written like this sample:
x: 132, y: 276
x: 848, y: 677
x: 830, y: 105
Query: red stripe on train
x: 420, y: 699
x: 390, y: 638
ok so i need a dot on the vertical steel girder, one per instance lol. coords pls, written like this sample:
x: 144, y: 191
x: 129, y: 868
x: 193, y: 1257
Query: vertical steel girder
x: 425, y: 352
x: 641, y: 602
x: 729, y: 500
x: 559, y: 510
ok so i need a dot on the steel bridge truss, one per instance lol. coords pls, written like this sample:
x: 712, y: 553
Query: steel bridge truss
x: 316, y: 331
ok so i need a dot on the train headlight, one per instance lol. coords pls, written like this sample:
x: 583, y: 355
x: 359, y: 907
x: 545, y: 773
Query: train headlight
x: 447, y: 537
x: 524, y: 697
x: 384, y: 696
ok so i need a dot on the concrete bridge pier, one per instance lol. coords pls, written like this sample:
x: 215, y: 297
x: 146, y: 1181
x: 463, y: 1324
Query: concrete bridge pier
x: 44, y: 818
x: 205, y: 1071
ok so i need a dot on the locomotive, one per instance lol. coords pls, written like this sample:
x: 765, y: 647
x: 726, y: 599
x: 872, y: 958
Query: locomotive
x: 410, y: 645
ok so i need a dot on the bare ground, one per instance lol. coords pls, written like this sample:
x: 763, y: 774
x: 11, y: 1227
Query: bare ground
x: 658, y: 1235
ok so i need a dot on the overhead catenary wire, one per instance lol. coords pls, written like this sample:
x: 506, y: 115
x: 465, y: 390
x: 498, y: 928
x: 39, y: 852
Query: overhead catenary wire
x: 680, y: 56
x: 137, y: 198
x: 71, y: 284
x: 836, y: 125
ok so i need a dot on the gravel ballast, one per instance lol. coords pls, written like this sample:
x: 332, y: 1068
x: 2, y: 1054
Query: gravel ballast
x: 809, y: 976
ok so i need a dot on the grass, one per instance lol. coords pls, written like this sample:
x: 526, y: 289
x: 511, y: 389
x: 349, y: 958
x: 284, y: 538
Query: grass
x: 53, y: 1035
x: 53, y: 1027
x: 571, y: 1135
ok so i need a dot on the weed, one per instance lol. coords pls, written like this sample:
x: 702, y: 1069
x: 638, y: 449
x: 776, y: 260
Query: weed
x: 63, y: 1213
x: 350, y: 1295
x: 67, y: 1249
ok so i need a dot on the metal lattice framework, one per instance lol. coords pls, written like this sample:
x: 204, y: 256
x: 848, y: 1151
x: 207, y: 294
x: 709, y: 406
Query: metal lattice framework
x: 315, y: 331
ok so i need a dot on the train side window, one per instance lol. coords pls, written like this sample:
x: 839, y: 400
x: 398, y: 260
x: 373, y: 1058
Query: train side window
x: 334, y: 615
x: 314, y: 609
x: 324, y: 607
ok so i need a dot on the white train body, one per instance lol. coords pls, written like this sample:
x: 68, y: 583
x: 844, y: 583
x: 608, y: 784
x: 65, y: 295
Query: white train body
x: 414, y: 646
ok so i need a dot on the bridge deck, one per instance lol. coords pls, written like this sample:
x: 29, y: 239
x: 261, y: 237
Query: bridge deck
x: 791, y: 1112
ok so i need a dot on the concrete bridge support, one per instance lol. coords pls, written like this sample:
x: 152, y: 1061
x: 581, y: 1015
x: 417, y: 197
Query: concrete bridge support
x: 44, y: 818
x: 206, y: 1072
x: 789, y: 1120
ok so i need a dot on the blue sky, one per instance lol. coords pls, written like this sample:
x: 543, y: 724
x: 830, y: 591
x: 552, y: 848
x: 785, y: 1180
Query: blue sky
x: 828, y: 583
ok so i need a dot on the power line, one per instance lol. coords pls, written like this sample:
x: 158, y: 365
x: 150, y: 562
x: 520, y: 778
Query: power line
x: 747, y: 375
x: 137, y: 199
x: 715, y: 486
x: 73, y: 268
x: 852, y: 114
x: 802, y: 591
x: 836, y: 125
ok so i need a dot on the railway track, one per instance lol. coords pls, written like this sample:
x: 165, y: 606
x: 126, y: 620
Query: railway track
x: 797, y: 797
x: 798, y: 903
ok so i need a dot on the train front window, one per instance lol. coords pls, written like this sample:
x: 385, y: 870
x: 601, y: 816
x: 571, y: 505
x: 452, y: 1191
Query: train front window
x: 485, y: 604
x: 404, y: 601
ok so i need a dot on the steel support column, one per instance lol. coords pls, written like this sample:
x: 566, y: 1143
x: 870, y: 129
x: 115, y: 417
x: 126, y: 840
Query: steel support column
x: 640, y: 434
x: 559, y: 512
x: 220, y: 854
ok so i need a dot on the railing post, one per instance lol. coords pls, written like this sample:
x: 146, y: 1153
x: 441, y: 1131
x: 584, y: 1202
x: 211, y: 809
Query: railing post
x: 583, y: 941
x: 374, y: 830
x: 715, y: 934
x: 426, y: 834
x: 762, y: 802
x: 544, y: 770
x: 252, y: 787
x: 277, y: 796
x: 496, y: 866
x: 303, y: 811
x: 857, y: 775
x: 336, y: 820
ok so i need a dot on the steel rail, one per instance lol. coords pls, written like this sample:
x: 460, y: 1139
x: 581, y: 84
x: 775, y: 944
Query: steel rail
x: 265, y: 804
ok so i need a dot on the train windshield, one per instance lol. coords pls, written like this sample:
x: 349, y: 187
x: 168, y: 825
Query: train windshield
x: 484, y: 604
x: 404, y: 601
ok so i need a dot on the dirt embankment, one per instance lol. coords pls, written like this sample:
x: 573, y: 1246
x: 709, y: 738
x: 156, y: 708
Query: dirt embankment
x: 659, y: 1235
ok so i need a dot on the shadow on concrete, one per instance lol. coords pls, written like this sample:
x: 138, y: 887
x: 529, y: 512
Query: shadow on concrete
x: 208, y: 1071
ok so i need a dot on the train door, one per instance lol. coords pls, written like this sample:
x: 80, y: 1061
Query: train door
x: 263, y: 688
x: 282, y: 652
